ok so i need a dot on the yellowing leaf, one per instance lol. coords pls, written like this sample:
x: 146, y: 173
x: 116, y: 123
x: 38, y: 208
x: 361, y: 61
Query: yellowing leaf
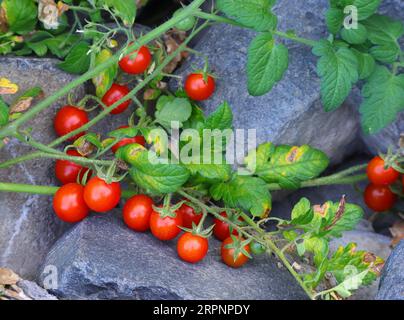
x: 7, y: 87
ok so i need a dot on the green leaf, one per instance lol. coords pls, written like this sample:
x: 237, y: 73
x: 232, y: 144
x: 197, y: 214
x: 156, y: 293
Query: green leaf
x: 338, y: 69
x: 341, y: 217
x: 157, y: 177
x: 383, y: 100
x: 78, y: 60
x: 172, y: 109
x: 302, y: 212
x: 212, y: 171
x: 246, y: 192
x: 334, y: 18
x: 366, y: 64
x: 384, y: 32
x: 103, y: 81
x: 221, y: 118
x: 366, y: 8
x: 256, y: 159
x: 317, y: 246
x: 266, y: 65
x: 21, y: 15
x: 126, y: 10
x: 254, y: 14
x: 4, y: 112
x: 355, y: 36
x: 290, y: 165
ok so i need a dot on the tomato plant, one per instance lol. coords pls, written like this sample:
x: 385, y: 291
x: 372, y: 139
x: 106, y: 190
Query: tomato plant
x: 199, y: 87
x: 192, y: 248
x: 378, y: 174
x: 379, y: 198
x: 68, y: 119
x: 137, y: 212
x: 114, y: 94
x: 136, y: 62
x: 239, y: 204
x: 68, y: 171
x: 69, y: 204
x: 101, y: 196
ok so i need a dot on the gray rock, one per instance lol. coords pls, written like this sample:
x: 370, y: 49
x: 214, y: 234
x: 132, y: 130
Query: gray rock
x: 101, y: 259
x: 35, y: 292
x: 28, y: 227
x: 392, y: 280
x: 292, y: 113
x: 391, y: 134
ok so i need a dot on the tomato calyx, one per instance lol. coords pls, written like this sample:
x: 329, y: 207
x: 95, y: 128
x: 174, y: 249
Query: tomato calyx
x: 239, y: 246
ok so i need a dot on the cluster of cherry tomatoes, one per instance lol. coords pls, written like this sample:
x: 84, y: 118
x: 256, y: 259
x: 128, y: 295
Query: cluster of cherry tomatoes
x: 73, y: 201
x: 378, y: 195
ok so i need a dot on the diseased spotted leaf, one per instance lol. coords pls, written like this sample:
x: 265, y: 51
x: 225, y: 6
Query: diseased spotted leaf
x: 383, y: 98
x: 290, y: 165
x: 254, y: 14
x: 266, y: 65
x: 257, y: 158
x: 338, y: 69
x: 105, y: 78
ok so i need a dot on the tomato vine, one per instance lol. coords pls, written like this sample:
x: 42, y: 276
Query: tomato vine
x: 242, y: 202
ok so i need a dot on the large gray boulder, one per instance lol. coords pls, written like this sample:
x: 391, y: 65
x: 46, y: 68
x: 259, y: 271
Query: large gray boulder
x: 292, y: 113
x: 392, y: 280
x: 100, y: 258
x: 28, y: 227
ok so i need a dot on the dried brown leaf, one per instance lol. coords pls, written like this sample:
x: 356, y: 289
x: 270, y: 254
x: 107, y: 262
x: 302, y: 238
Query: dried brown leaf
x: 21, y: 105
x: 397, y: 231
x: 8, y: 277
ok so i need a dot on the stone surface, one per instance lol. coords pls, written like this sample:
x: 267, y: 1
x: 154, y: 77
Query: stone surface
x: 101, y: 259
x: 292, y: 113
x: 391, y: 134
x: 392, y: 280
x: 35, y: 292
x: 28, y: 227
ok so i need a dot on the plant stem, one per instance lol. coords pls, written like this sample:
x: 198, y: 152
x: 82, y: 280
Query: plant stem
x: 106, y: 111
x: 43, y: 190
x: 216, y: 18
x: 12, y: 127
x: 269, y: 244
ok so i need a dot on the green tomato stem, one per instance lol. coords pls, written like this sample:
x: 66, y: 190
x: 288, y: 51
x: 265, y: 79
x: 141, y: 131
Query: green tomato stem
x: 11, y: 128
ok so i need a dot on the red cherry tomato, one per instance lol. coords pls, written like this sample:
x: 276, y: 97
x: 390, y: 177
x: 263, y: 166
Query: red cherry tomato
x: 197, y: 88
x: 137, y: 212
x: 67, y: 171
x: 114, y: 94
x: 379, y: 198
x: 68, y: 119
x: 380, y: 176
x: 136, y: 62
x: 221, y: 230
x: 192, y: 248
x: 125, y: 141
x: 228, y: 254
x: 189, y: 216
x: 69, y: 204
x: 166, y: 228
x: 101, y: 196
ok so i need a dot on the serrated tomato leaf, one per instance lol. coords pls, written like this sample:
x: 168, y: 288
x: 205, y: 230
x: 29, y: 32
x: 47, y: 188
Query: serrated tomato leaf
x: 246, y: 192
x: 383, y: 98
x: 254, y: 14
x: 338, y: 70
x: 78, y: 59
x: 266, y: 65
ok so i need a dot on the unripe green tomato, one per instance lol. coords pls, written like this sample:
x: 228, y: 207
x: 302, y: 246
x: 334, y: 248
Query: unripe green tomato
x: 257, y: 248
x: 185, y: 24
